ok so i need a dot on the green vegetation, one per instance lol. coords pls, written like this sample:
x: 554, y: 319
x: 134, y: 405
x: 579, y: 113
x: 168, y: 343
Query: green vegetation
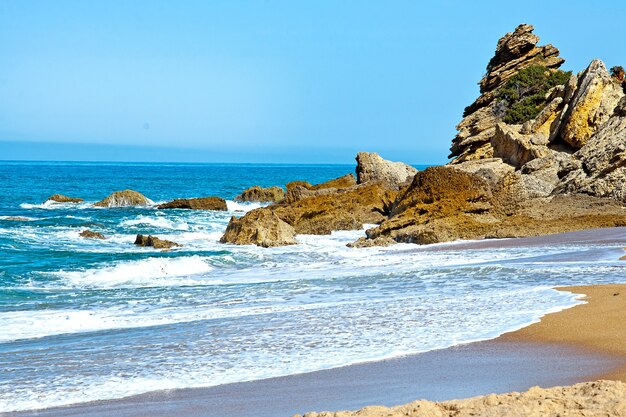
x: 523, y: 95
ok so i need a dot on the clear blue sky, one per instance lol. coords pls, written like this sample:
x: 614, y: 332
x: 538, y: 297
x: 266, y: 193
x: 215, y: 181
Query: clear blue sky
x: 263, y: 81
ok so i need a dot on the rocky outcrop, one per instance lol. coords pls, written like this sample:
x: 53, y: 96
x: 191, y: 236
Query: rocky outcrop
x: 261, y: 227
x: 60, y: 198
x: 337, y: 209
x: 339, y: 204
x: 203, y: 203
x: 155, y: 242
x: 590, y: 399
x: 372, y: 168
x: 444, y: 204
x: 515, y: 51
x: 125, y: 198
x: 262, y: 195
x: 90, y: 234
x: 298, y: 190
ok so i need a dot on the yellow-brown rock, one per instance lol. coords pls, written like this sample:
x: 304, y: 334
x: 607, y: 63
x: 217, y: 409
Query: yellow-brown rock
x: 262, y: 195
x: 125, y: 198
x: 593, y: 103
x: 202, y: 203
x: 60, y: 198
x: 259, y: 227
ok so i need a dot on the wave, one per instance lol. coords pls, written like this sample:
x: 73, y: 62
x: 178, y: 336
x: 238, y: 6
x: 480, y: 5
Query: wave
x: 151, y: 272
x: 158, y: 222
x: 243, y: 207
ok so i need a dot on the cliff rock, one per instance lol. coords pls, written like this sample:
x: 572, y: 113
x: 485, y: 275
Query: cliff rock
x: 259, y: 227
x: 515, y: 51
x: 262, y: 195
x: 203, y: 203
x: 124, y: 198
x: 298, y: 190
x: 371, y: 167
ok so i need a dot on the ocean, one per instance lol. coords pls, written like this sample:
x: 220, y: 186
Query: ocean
x: 84, y: 320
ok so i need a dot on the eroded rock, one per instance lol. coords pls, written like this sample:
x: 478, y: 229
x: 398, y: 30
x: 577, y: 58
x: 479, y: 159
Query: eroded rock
x: 202, y: 203
x: 263, y: 195
x: 261, y: 227
x: 90, y: 234
x: 371, y: 167
x: 60, y: 198
x: 125, y: 198
x: 155, y: 242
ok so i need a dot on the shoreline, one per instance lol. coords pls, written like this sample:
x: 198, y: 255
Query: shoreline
x: 532, y: 355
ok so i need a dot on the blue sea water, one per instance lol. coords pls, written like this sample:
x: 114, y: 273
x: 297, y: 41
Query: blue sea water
x: 83, y: 320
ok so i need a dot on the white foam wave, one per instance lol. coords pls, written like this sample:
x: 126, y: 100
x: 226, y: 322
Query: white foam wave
x: 53, y: 205
x: 151, y: 272
x: 155, y: 221
x: 243, y: 207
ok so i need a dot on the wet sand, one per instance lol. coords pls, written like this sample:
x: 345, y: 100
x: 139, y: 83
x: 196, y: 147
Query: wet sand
x: 583, y: 343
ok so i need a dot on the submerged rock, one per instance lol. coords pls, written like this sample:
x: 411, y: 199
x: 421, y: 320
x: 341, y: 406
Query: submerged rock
x: 263, y: 195
x: 16, y: 219
x: 259, y: 227
x: 59, y: 198
x: 371, y: 168
x: 125, y: 198
x: 155, y: 242
x: 203, y: 203
x: 90, y: 234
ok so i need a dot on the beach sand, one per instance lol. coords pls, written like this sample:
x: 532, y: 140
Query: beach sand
x: 584, y: 343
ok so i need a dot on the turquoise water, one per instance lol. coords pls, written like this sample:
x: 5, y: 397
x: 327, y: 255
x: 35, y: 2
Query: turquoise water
x: 82, y: 319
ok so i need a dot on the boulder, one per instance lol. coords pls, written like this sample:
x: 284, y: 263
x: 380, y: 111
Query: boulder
x: 203, y: 203
x: 371, y: 168
x: 155, y: 242
x: 263, y: 195
x: 125, y: 198
x: 59, y: 198
x: 90, y: 234
x: 492, y: 170
x: 594, y: 101
x: 259, y: 227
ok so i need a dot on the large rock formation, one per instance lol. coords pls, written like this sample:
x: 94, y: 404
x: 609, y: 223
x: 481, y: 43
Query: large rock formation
x: 372, y: 168
x: 60, y: 198
x: 262, y: 195
x: 588, y: 399
x: 338, y: 204
x: 261, y: 227
x: 125, y: 198
x: 202, y: 203
x: 515, y: 51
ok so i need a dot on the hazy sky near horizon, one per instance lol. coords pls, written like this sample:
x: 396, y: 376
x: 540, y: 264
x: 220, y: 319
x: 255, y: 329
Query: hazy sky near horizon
x: 263, y: 81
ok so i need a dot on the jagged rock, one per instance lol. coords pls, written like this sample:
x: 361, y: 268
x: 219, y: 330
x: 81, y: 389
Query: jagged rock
x: 602, y: 171
x: 492, y: 170
x: 90, y: 234
x: 515, y: 148
x: 263, y: 195
x: 124, y: 198
x: 297, y: 190
x: 515, y: 51
x: 371, y: 167
x: 593, y: 102
x: 203, y: 203
x: 338, y: 209
x: 59, y: 198
x: 440, y: 205
x: 259, y: 227
x: 155, y: 242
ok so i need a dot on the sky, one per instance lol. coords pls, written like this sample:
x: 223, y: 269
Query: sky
x: 263, y: 81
